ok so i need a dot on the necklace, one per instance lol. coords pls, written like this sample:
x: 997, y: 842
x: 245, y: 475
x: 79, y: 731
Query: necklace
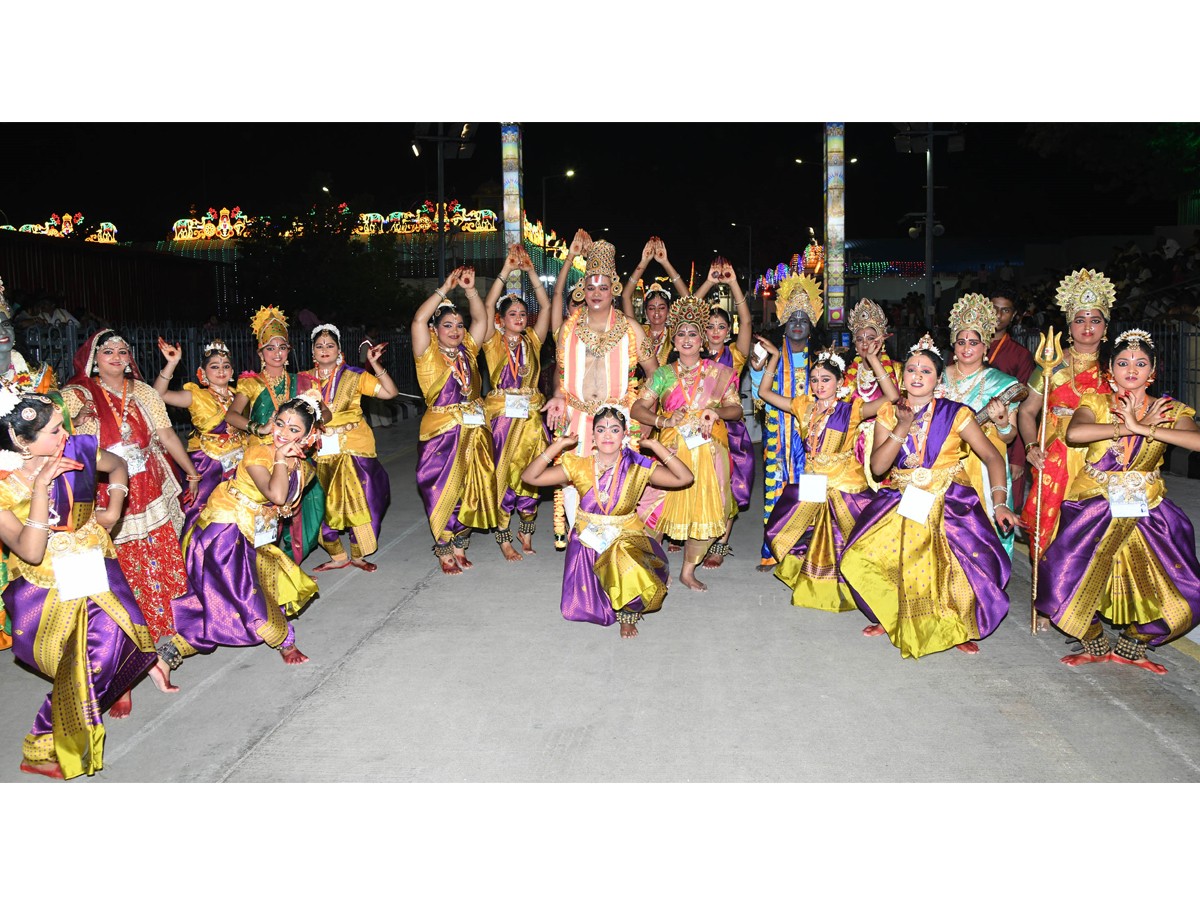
x: 689, y: 378
x: 458, y: 365
x: 126, y: 428
x: 273, y: 382
x: 603, y: 495
x: 954, y: 386
x: 1122, y: 450
x: 914, y: 459
x: 818, y: 418
x: 516, y: 357
x: 598, y: 344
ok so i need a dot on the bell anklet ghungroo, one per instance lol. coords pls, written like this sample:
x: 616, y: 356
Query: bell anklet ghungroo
x: 504, y: 537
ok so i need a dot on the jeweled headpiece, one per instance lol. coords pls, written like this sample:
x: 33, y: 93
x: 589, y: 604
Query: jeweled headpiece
x: 1085, y: 289
x: 332, y: 329
x: 215, y: 347
x: 1136, y: 337
x: 925, y: 345
x: 311, y: 399
x: 601, y: 260
x: 831, y: 356
x: 656, y: 288
x: 798, y: 293
x: 973, y: 312
x: 691, y: 310
x: 867, y: 314
x: 269, y: 322
x: 4, y: 307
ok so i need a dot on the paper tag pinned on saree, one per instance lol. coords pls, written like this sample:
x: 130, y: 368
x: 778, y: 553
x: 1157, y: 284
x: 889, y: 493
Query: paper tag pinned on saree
x: 516, y: 406
x: 916, y: 504
x: 812, y: 488
x: 692, y: 438
x: 474, y: 416
x: 1128, y: 501
x: 599, y: 537
x: 80, y: 573
x: 134, y: 456
x: 231, y: 459
x: 331, y: 445
x: 266, y: 530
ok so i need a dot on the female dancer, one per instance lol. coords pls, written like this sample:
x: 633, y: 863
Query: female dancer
x: 615, y: 570
x: 356, y: 486
x: 257, y: 399
x: 807, y: 535
x: 690, y: 400
x: 1123, y: 551
x: 986, y: 390
x: 656, y: 303
x: 1085, y: 297
x: 923, y: 561
x: 108, y: 399
x: 514, y: 407
x: 733, y: 355
x: 869, y: 327
x: 76, y: 620
x: 245, y: 585
x: 456, y: 475
x: 215, y: 447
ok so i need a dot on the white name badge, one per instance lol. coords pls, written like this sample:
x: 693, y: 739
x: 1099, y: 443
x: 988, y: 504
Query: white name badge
x: 812, y: 488
x: 695, y: 439
x: 266, y: 530
x: 231, y: 459
x: 331, y: 445
x: 80, y: 574
x: 1125, y: 502
x: 516, y: 406
x: 916, y: 504
x: 134, y: 456
x: 599, y: 537
x: 474, y: 417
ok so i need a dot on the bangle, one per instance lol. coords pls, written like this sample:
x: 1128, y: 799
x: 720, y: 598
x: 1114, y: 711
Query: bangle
x: 279, y: 462
x: 1005, y: 430
x: 658, y: 421
x: 898, y: 440
x: 1031, y: 445
x: 548, y: 460
x: 998, y: 488
x: 1116, y: 430
x: 1152, y: 430
x: 119, y: 487
x: 676, y: 277
x: 163, y: 374
x: 195, y: 477
x: 438, y: 291
x: 44, y: 526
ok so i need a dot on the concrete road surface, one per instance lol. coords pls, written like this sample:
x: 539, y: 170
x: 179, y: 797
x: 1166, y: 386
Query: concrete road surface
x: 419, y: 677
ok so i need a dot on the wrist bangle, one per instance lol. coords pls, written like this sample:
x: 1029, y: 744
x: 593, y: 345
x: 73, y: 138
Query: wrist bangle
x: 163, y: 374
x: 1007, y: 429
x: 44, y: 526
x: 1153, y: 428
x: 898, y: 440
x: 279, y: 462
x: 548, y: 460
x: 1031, y: 445
x: 195, y: 477
x: 119, y: 487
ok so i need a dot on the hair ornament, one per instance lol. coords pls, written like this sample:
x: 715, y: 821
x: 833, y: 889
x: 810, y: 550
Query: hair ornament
x: 10, y: 461
x: 867, y: 314
x: 925, y: 345
x: 844, y: 391
x: 312, y: 400
x: 656, y: 288
x: 831, y: 356
x: 689, y: 310
x: 974, y: 312
x: 601, y: 260
x: 215, y: 346
x: 269, y: 322
x: 29, y: 414
x: 1136, y: 337
x: 9, y: 398
x: 1085, y: 289
x: 798, y: 293
x: 332, y: 329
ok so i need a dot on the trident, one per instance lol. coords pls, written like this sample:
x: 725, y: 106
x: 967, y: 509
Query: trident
x: 1049, y: 355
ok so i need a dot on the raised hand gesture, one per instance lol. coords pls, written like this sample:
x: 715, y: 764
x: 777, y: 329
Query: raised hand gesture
x: 170, y: 352
x: 466, y: 278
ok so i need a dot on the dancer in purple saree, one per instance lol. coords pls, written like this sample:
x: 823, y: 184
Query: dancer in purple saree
x: 811, y: 520
x: 456, y: 475
x: 513, y: 349
x: 1123, y: 552
x: 614, y: 571
x: 924, y: 563
x: 75, y: 619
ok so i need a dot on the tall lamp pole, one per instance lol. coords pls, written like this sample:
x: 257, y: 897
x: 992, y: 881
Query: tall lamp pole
x: 570, y: 173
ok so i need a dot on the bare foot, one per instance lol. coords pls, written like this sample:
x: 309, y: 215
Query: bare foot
x: 673, y: 548
x: 332, y: 564
x: 873, y: 630
x: 1082, y: 659
x: 363, y: 564
x: 463, y: 562
x: 450, y: 565
x: 967, y: 647
x: 1140, y: 663
x: 713, y: 562
x: 123, y: 707
x: 49, y: 770
x: 510, y: 553
x: 628, y: 631
x: 292, y: 655
x: 693, y: 582
x: 527, y: 543
x: 160, y: 674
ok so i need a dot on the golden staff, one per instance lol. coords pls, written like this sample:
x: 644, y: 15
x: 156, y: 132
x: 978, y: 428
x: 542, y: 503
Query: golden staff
x: 1049, y: 355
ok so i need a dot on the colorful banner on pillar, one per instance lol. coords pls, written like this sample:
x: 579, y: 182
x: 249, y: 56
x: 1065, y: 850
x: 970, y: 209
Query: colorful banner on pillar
x: 514, y: 205
x: 835, y: 223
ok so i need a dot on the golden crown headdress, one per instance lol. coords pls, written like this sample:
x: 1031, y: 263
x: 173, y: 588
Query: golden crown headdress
x: 867, y: 314
x: 691, y: 310
x: 1085, y: 289
x: 974, y: 312
x: 925, y: 345
x: 269, y: 322
x: 798, y: 293
x: 601, y: 260
x: 1135, y: 337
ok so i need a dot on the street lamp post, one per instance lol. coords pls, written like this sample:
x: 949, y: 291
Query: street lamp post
x: 570, y: 173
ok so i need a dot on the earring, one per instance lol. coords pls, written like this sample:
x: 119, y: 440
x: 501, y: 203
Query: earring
x: 201, y: 377
x: 1150, y: 380
x: 128, y: 369
x: 1104, y: 338
x: 23, y: 450
x: 341, y: 359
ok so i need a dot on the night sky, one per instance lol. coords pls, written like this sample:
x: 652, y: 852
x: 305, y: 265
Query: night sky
x: 685, y: 182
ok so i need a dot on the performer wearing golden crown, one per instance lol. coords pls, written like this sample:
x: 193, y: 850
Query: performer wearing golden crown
x: 798, y: 306
x: 597, y: 354
x: 456, y: 473
x: 992, y: 394
x: 1123, y: 551
x: 257, y: 399
x: 689, y: 400
x: 1085, y: 297
x: 869, y: 328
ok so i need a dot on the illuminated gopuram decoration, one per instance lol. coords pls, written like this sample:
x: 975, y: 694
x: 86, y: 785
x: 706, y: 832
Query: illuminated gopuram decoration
x: 69, y: 225
x: 835, y: 223
x: 513, y: 180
